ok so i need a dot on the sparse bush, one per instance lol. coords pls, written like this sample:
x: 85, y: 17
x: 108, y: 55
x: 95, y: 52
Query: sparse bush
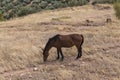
x: 105, y: 1
x: 1, y: 16
x: 11, y: 14
x: 50, y: 6
x: 27, y: 1
x: 43, y: 4
x: 117, y: 9
x: 25, y: 10
x: 82, y: 2
x: 8, y: 6
x: 76, y: 2
x: 1, y: 0
x: 8, y: 1
x: 36, y: 1
x: 35, y: 7
x: 58, y: 4
x: 14, y: 8
x: 16, y: 3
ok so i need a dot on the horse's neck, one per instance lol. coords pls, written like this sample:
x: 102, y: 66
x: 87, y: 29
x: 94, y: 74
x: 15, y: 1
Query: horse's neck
x: 47, y: 48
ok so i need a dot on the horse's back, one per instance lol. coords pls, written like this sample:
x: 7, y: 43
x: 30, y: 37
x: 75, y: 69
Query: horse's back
x: 70, y: 40
x: 76, y: 36
x: 65, y: 41
x: 71, y: 37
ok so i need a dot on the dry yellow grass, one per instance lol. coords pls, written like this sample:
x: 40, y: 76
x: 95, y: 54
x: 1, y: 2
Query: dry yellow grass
x: 21, y: 39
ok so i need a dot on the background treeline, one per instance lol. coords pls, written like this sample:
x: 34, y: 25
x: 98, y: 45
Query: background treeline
x: 117, y: 9
x: 16, y: 8
x: 104, y: 1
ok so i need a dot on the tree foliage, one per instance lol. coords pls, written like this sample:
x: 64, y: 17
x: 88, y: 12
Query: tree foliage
x: 117, y: 9
x: 16, y: 8
x: 1, y: 16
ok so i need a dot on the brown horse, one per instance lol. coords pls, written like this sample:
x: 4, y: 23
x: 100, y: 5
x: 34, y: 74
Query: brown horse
x: 59, y: 41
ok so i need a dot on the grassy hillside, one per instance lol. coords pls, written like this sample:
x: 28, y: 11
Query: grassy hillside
x: 16, y: 8
x: 21, y: 40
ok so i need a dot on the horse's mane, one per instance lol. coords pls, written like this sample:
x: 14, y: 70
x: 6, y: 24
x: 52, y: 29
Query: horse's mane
x: 54, y: 37
x: 50, y: 39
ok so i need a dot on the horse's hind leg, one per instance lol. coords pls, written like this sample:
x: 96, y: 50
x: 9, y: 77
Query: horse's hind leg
x: 79, y: 52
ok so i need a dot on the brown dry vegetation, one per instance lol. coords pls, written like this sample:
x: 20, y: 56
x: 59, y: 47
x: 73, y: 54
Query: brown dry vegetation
x: 21, y: 40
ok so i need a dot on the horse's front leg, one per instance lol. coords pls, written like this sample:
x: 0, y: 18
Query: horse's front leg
x: 62, y: 56
x: 79, y: 52
x: 58, y: 56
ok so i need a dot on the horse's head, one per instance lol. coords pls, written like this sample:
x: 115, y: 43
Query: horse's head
x: 46, y: 50
x: 45, y: 55
x: 49, y: 45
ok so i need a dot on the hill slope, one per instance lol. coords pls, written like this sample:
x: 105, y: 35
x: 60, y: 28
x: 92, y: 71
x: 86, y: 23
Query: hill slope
x: 17, y: 8
x: 21, y: 40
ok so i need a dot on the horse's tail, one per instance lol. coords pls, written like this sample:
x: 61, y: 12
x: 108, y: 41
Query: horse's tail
x: 82, y: 39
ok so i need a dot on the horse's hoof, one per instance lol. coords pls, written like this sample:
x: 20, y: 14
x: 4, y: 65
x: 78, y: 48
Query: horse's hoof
x: 77, y: 58
x: 61, y: 60
x: 57, y: 58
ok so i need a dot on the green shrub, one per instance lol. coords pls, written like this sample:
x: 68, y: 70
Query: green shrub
x: 82, y: 2
x: 105, y: 1
x: 50, y: 6
x: 16, y: 3
x: 117, y: 9
x: 25, y: 10
x: 43, y: 4
x: 14, y: 8
x: 7, y: 16
x: 8, y: 1
x: 35, y: 7
x: 27, y: 1
x: 1, y: 16
x: 57, y: 4
x: 36, y: 1
x: 76, y: 2
x: 8, y: 6
x: 72, y: 3
x: 1, y: 0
